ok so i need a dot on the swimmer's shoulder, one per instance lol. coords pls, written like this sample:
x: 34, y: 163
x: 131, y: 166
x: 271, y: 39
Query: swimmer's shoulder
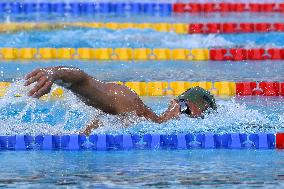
x: 122, y: 90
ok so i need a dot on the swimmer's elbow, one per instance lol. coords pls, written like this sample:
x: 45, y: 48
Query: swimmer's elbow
x: 157, y: 119
x: 160, y: 120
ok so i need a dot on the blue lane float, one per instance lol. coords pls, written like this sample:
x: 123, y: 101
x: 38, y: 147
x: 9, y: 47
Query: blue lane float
x: 59, y: 8
x: 88, y: 8
x: 29, y: 7
x: 163, y: 9
x: 45, y: 8
x: 2, y: 8
x: 103, y: 142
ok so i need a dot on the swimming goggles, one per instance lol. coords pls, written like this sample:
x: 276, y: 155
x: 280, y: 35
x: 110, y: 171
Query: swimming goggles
x: 184, y: 109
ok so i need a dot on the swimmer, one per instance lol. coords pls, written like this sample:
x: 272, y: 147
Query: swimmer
x: 116, y: 99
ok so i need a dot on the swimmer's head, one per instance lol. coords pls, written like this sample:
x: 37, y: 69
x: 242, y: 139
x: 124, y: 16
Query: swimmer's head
x: 195, y: 101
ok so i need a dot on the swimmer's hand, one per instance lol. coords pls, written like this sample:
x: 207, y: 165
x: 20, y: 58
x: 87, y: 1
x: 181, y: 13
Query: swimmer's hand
x: 44, y: 78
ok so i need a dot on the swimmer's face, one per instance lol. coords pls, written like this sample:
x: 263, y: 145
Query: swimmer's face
x: 193, y: 110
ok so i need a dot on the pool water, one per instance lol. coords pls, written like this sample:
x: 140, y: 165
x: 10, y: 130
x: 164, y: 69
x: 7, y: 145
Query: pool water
x: 24, y: 115
x: 142, y: 168
x: 135, y: 38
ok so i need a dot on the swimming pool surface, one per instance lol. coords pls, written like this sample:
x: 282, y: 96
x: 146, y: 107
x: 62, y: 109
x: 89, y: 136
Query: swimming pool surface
x: 142, y: 168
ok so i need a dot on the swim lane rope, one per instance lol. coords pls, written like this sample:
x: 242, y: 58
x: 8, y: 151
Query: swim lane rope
x: 179, y: 28
x: 142, y: 54
x: 175, y: 88
x: 148, y: 8
x: 147, y: 141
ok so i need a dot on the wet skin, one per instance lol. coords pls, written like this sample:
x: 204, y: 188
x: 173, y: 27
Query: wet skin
x: 111, y: 98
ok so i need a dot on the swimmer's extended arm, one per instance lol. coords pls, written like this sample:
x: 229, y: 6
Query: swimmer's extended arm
x: 79, y: 81
x: 88, y: 87
x: 171, y: 113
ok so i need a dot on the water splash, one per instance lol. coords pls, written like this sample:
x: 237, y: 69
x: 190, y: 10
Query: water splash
x: 231, y: 117
x: 25, y: 115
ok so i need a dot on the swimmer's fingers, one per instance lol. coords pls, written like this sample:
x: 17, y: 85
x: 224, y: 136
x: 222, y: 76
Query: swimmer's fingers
x: 33, y: 73
x: 39, y: 84
x: 43, y: 90
x: 34, y: 78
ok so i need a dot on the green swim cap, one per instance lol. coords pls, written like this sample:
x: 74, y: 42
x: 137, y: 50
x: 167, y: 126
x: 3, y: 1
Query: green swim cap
x: 200, y: 97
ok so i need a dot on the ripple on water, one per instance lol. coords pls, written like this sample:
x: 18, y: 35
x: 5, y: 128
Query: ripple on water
x: 134, y: 38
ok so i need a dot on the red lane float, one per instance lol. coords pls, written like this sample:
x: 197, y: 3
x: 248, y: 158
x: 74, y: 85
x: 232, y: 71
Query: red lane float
x: 217, y: 54
x: 179, y: 7
x: 231, y: 27
x: 263, y: 27
x: 246, y: 27
x: 210, y: 7
x: 196, y: 28
x: 228, y: 7
x: 254, y: 7
x: 245, y: 88
x: 281, y: 89
x: 238, y: 54
x: 281, y: 7
x: 279, y: 27
x: 241, y: 54
x: 280, y: 140
x: 256, y: 54
x: 195, y: 7
x: 260, y: 88
x: 239, y: 7
x: 270, y: 88
x: 213, y: 28
x: 268, y: 7
x: 276, y: 54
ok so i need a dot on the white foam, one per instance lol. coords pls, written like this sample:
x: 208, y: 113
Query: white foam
x: 16, y: 125
x: 231, y: 117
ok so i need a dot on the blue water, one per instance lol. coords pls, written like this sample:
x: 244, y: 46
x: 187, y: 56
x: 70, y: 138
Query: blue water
x: 142, y: 169
x: 157, y: 71
x: 135, y: 38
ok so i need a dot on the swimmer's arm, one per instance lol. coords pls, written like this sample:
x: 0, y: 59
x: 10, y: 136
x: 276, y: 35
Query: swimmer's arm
x: 171, y: 113
x: 66, y: 74
x: 79, y: 81
x: 94, y: 124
